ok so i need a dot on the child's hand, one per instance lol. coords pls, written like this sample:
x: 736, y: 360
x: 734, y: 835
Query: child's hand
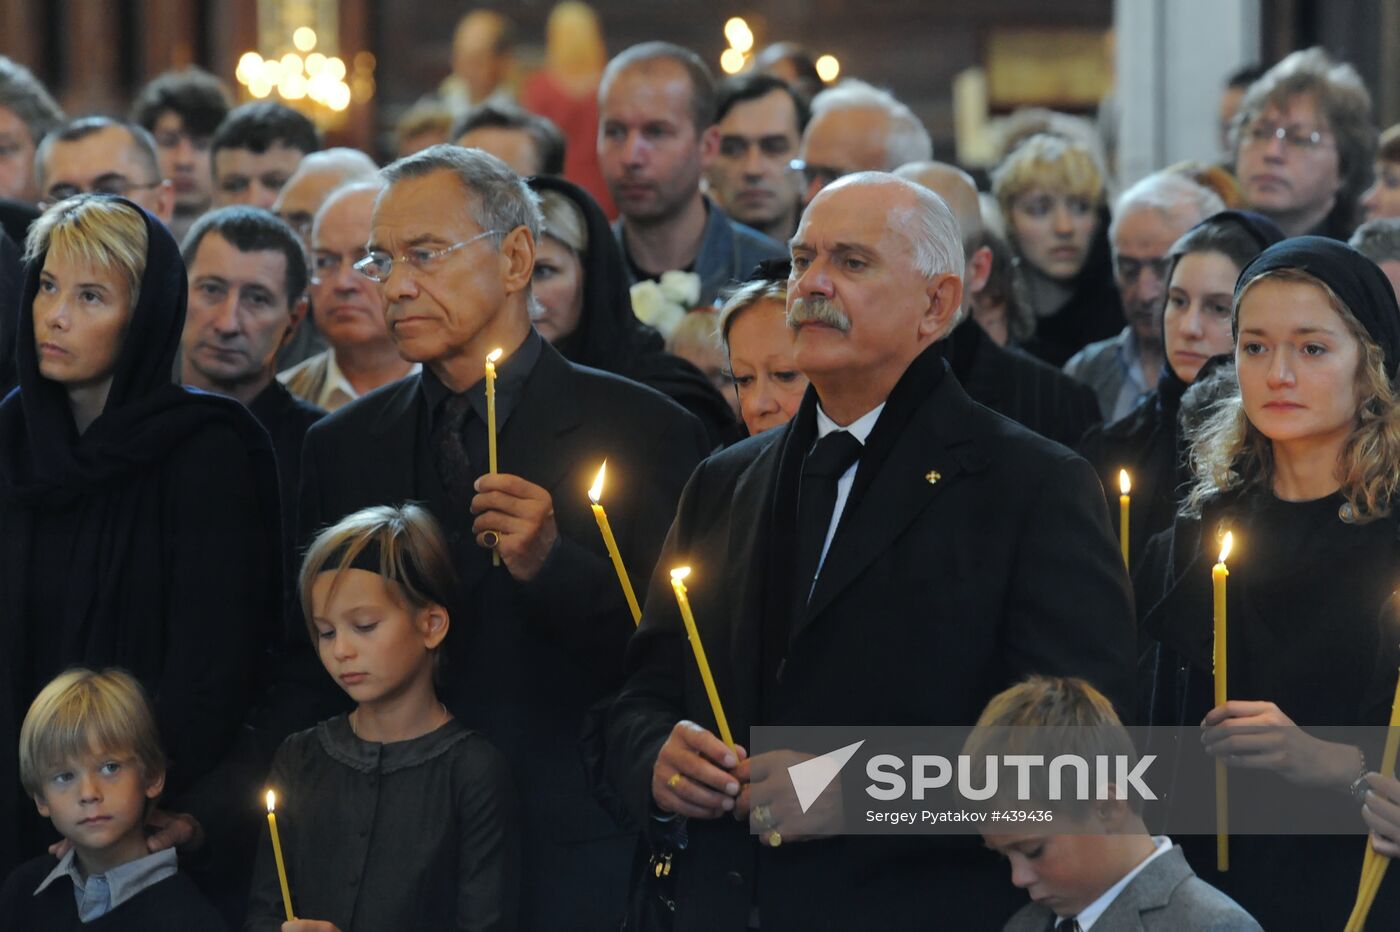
x: 308, y: 925
x: 173, y: 830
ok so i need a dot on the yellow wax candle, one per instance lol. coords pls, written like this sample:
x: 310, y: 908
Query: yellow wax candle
x: 277, y: 854
x: 1125, y: 485
x: 594, y: 494
x: 491, y: 425
x: 1218, y: 574
x: 678, y: 576
x: 1373, y: 865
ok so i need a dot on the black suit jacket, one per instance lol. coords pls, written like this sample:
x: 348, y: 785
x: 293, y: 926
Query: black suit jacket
x: 934, y: 596
x: 1023, y: 388
x: 524, y: 662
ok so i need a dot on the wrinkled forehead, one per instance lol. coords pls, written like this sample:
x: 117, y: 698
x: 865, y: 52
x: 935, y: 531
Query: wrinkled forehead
x: 431, y: 206
x: 110, y: 150
x: 863, y: 215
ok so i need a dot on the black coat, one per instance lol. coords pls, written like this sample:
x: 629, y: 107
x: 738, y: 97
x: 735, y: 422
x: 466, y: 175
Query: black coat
x: 1311, y: 628
x: 150, y: 542
x: 1147, y: 442
x: 1021, y: 387
x: 936, y: 594
x: 526, y: 661
x: 172, y: 905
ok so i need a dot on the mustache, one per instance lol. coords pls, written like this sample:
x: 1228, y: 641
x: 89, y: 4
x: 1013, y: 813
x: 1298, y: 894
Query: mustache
x: 817, y: 310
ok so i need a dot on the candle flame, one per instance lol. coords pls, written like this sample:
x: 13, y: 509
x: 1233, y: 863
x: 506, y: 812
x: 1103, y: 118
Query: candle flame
x: 679, y: 573
x: 1125, y: 485
x: 271, y: 800
x: 596, y: 492
x: 1226, y: 544
x: 494, y: 355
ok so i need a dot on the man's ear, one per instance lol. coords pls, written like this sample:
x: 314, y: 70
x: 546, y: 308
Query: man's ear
x: 517, y: 260
x: 979, y: 269
x: 709, y: 146
x: 294, y: 319
x: 944, y: 301
x: 435, y: 621
x: 165, y: 201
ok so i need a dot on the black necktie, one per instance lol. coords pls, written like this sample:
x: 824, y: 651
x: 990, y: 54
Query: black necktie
x: 1066, y: 925
x: 450, y: 450
x: 816, y: 499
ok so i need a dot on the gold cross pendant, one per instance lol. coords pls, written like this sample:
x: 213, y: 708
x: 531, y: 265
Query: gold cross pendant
x: 933, y: 476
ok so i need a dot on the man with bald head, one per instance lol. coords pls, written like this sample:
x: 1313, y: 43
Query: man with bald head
x: 106, y: 156
x: 816, y: 547
x: 856, y: 127
x: 348, y: 309
x: 316, y: 175
x: 1006, y: 380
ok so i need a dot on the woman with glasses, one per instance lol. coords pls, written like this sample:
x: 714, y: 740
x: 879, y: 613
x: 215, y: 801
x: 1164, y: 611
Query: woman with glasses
x: 1298, y: 464
x: 1051, y: 194
x: 582, y: 306
x: 1304, y: 143
x: 1202, y: 268
x: 140, y: 518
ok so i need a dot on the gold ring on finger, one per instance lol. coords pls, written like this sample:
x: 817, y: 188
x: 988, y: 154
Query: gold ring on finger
x: 774, y: 839
x: 674, y: 781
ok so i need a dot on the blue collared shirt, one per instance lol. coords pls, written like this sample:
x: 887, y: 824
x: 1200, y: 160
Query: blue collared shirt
x: 99, y: 894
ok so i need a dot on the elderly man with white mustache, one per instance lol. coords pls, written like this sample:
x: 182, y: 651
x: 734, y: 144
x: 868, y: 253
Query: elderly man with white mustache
x: 895, y: 554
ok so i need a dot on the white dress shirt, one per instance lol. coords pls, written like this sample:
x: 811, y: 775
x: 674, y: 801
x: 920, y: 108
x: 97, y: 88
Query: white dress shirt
x: 860, y: 428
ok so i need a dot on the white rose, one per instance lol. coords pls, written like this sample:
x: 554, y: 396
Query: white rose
x: 681, y: 287
x: 671, y: 316
x: 647, y: 301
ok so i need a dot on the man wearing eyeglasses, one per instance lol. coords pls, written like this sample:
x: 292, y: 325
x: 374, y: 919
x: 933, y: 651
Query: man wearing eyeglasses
x: 97, y: 154
x: 656, y: 136
x: 538, y: 639
x: 1304, y: 143
x: 1148, y: 218
x: 760, y: 126
x: 348, y: 308
x: 856, y: 128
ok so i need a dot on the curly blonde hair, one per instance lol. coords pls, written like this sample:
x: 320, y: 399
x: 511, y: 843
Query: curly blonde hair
x: 1229, y: 453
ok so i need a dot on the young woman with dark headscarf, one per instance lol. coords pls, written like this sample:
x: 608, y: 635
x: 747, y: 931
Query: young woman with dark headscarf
x: 586, y: 309
x: 1299, y: 463
x: 140, y: 519
x: 1148, y: 443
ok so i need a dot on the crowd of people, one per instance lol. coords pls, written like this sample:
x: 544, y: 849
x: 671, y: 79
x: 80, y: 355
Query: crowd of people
x: 270, y: 520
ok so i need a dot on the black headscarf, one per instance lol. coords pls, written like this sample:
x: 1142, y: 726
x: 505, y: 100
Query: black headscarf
x: 610, y: 337
x: 9, y: 310
x: 42, y: 456
x: 1358, y: 281
x: 1264, y: 232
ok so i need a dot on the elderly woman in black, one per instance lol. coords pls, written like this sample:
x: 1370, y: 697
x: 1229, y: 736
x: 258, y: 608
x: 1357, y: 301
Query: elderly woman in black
x: 1299, y: 463
x: 139, y: 518
x: 1148, y: 441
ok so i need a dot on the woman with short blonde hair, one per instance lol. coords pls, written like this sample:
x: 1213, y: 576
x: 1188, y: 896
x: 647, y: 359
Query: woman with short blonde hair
x: 140, y: 519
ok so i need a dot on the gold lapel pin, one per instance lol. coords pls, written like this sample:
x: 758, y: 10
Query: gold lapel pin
x: 933, y: 476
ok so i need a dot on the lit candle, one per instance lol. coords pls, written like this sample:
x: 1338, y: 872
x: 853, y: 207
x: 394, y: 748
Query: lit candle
x: 1125, y: 485
x: 1218, y: 575
x: 491, y: 426
x: 1373, y: 865
x: 595, y: 493
x: 277, y: 853
x: 678, y: 576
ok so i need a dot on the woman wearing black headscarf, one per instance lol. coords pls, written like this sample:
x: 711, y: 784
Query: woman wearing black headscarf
x: 1147, y: 442
x: 140, y: 518
x: 1299, y: 464
x: 586, y: 308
